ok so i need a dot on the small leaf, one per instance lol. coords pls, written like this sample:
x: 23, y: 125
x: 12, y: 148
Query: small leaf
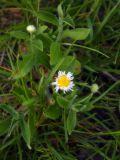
x: 87, y: 107
x: 41, y: 29
x: 46, y: 38
x: 25, y: 130
x: 60, y: 11
x: 38, y: 56
x: 28, y: 102
x: 77, y: 107
x: 71, y: 121
x: 41, y: 58
x: 69, y: 21
x: 83, y: 107
x: 4, y: 38
x: 38, y: 44
x: 4, y: 126
x: 67, y: 64
x: 76, y: 34
x: 55, y: 53
x: 19, y: 35
x: 24, y: 66
x: 47, y: 17
x: 63, y: 102
x: 71, y: 64
x: 9, y: 109
x: 53, y: 112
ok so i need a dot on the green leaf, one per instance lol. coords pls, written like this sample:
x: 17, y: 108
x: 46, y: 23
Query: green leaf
x: 9, y: 109
x: 19, y: 35
x: 55, y: 53
x: 37, y: 44
x: 47, y: 17
x: 41, y: 58
x: 69, y: 21
x: 28, y: 102
x: 53, y: 112
x: 25, y: 130
x: 76, y: 34
x: 71, y: 121
x: 60, y: 10
x: 4, y: 126
x: 3, y: 38
x: 8, y: 126
x: 24, y: 66
x: 77, y: 107
x: 85, y: 107
x: 36, y: 49
x: 41, y: 29
x: 71, y: 64
x: 63, y: 102
x: 46, y: 38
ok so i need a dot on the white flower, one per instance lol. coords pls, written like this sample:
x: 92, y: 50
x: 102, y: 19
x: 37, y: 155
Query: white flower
x: 31, y: 28
x: 64, y: 81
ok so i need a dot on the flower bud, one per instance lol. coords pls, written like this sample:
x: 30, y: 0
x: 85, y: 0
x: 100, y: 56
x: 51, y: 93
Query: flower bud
x: 94, y: 88
x: 31, y: 28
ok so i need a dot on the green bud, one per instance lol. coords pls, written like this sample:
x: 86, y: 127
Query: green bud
x: 94, y: 88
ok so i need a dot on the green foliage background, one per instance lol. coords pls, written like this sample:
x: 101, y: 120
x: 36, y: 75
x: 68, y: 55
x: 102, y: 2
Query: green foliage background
x: 82, y: 37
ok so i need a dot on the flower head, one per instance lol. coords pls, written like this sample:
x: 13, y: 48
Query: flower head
x: 64, y: 81
x: 94, y: 88
x: 31, y: 28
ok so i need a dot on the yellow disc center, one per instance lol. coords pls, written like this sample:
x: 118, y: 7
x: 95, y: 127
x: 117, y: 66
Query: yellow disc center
x: 63, y: 81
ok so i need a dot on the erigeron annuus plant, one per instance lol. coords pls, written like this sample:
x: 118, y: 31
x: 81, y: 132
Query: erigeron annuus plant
x: 47, y: 63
